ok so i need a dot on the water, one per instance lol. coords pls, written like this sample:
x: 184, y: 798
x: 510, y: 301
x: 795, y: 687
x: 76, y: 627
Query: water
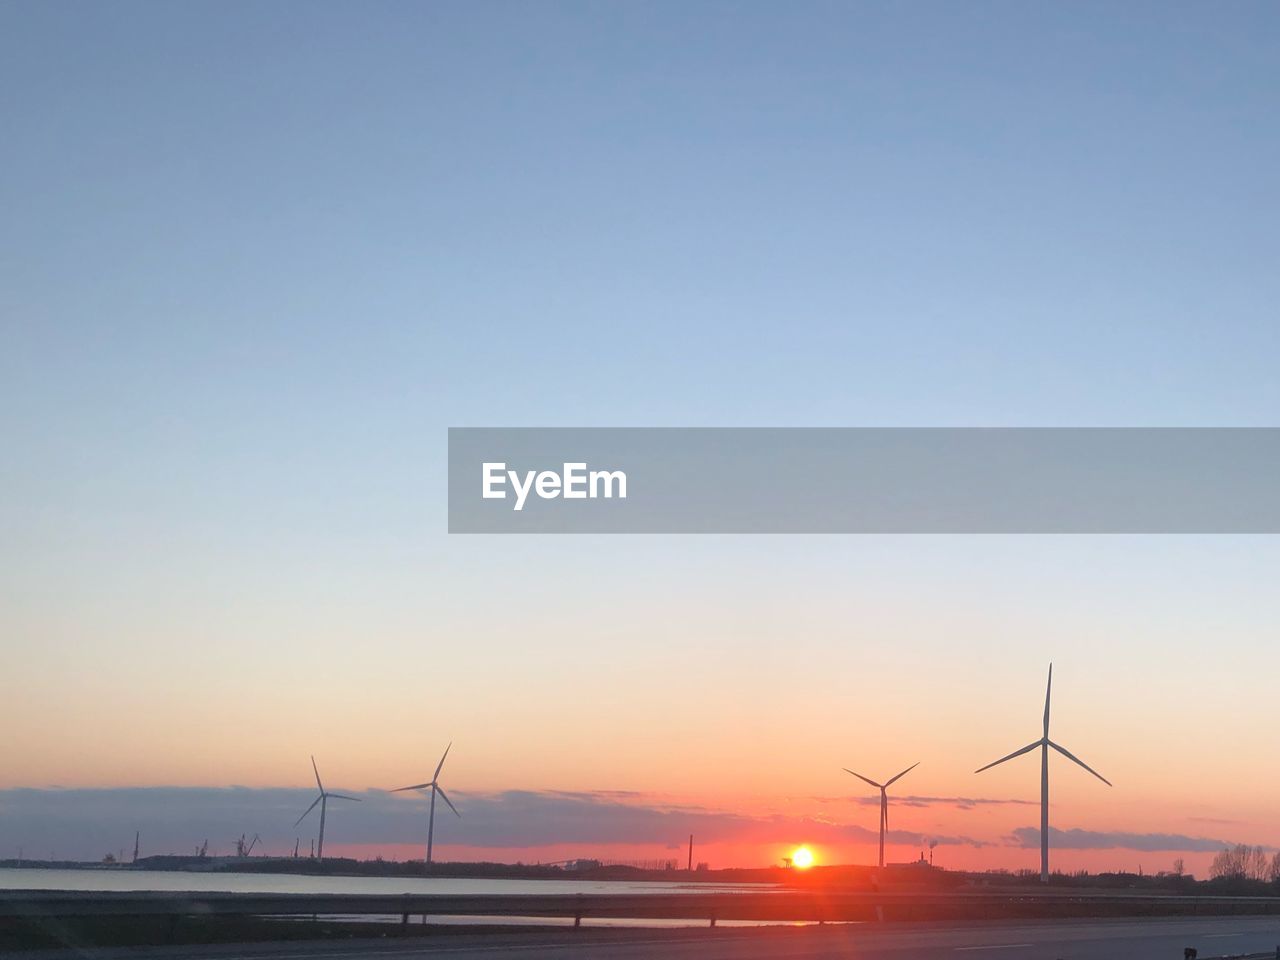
x: 181, y: 881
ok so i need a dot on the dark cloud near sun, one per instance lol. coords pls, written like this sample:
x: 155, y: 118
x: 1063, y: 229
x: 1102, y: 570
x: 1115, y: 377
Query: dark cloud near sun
x: 956, y: 803
x: 87, y: 823
x: 90, y: 822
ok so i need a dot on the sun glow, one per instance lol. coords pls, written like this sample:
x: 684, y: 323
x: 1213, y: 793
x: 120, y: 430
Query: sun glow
x: 802, y: 858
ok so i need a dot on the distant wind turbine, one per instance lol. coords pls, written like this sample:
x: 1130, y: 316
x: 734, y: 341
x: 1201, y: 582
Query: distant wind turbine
x: 1044, y: 743
x: 884, y: 800
x: 323, y: 801
x: 434, y: 784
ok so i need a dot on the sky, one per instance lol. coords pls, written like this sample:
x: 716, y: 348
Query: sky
x: 256, y: 259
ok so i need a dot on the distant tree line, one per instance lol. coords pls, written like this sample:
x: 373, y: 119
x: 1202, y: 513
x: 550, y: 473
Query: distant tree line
x: 1243, y: 862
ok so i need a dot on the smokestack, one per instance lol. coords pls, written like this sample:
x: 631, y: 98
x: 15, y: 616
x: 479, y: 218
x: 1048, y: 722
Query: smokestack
x: 691, y: 853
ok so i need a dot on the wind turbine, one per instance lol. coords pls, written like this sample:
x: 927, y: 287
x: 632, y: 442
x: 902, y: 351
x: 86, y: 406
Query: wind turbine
x: 1044, y: 743
x: 323, y: 800
x: 434, y: 784
x: 884, y: 800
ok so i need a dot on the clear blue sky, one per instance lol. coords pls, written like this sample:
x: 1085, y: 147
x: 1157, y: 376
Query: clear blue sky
x: 256, y: 258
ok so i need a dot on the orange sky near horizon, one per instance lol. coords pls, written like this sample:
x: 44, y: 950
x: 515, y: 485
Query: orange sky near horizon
x: 753, y: 855
x: 1078, y: 802
x: 778, y: 671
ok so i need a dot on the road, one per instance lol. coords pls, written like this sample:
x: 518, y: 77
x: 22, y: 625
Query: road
x: 1156, y: 939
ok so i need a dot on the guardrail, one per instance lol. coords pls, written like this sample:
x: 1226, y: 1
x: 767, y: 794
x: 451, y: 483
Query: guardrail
x: 774, y: 905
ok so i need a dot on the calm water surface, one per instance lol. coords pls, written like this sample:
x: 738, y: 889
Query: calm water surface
x: 170, y: 881
x: 178, y: 881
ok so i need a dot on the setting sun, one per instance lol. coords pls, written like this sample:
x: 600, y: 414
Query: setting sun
x: 802, y: 858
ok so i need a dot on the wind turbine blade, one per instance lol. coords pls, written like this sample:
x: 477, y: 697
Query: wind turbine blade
x: 1071, y: 756
x: 884, y: 811
x: 862, y: 778
x: 343, y: 796
x: 309, y: 809
x: 1017, y: 753
x: 1047, y: 690
x: 440, y: 765
x: 903, y: 773
x: 317, y: 770
x: 445, y: 797
x: 416, y: 786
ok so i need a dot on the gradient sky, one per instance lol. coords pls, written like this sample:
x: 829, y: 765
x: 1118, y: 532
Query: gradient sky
x: 255, y: 259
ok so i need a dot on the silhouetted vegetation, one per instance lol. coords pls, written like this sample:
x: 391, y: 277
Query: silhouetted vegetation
x: 1243, y: 862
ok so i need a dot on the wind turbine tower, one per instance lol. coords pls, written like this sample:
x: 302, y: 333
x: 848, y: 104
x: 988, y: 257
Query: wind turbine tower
x: 884, y: 800
x: 434, y: 785
x: 1044, y: 743
x: 323, y: 801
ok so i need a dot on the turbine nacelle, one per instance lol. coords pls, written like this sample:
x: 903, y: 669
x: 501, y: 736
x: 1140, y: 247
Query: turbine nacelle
x: 323, y: 795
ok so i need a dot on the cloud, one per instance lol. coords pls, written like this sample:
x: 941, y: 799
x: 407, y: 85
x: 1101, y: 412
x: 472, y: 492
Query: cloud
x: 1220, y: 821
x: 1076, y: 839
x: 89, y: 822
x: 958, y: 803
